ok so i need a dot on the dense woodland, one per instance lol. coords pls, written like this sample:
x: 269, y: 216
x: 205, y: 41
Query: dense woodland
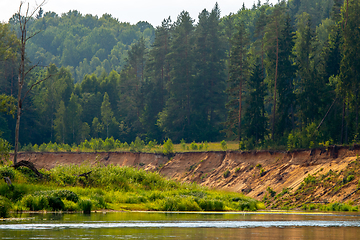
x: 269, y: 76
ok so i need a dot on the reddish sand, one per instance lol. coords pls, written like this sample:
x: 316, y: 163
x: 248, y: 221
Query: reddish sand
x: 281, y: 169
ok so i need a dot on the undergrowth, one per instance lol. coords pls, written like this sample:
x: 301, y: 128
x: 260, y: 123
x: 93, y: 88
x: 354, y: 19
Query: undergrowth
x: 110, y: 187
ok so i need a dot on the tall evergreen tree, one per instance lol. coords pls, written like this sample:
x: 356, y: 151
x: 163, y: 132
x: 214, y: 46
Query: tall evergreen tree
x: 106, y: 113
x: 176, y: 119
x: 350, y: 62
x: 239, y: 74
x: 157, y: 77
x: 255, y: 119
x: 210, y: 76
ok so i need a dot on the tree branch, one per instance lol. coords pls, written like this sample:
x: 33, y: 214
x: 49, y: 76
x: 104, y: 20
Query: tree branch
x: 38, y: 82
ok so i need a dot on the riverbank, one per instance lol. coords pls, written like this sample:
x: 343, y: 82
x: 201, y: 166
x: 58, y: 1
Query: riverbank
x: 264, y: 175
x: 95, y: 186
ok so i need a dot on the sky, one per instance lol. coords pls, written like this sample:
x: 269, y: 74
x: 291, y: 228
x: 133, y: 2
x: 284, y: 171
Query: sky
x: 131, y: 11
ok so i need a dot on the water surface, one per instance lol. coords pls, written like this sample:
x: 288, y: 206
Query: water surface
x: 145, y: 225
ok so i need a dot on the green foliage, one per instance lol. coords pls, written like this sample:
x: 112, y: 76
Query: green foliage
x: 49, y: 200
x: 223, y: 145
x: 4, y: 149
x: 86, y: 206
x: 226, y: 173
x: 303, y: 139
x: 193, y: 146
x: 168, y: 147
x: 5, y: 206
x: 7, y: 171
x: 183, y: 144
x: 137, y: 146
x: 310, y: 179
x: 271, y: 191
x: 116, y: 188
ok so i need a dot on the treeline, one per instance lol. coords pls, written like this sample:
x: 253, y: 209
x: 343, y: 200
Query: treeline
x: 283, y: 75
x: 86, y: 44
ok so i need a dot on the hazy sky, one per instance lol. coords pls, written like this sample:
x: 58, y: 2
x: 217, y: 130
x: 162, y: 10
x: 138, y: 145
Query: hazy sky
x: 130, y: 10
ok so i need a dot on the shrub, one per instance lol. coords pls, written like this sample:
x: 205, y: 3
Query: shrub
x: 109, y: 144
x: 66, y: 194
x: 42, y: 147
x: 183, y: 144
x: 151, y: 144
x: 193, y: 146
x: 271, y: 191
x: 223, y: 145
x: 137, y: 146
x: 310, y: 179
x: 28, y: 148
x: 206, y: 145
x: 179, y: 204
x: 55, y: 203
x: 70, y: 205
x: 4, y: 149
x: 7, y: 171
x: 168, y: 147
x: 85, y: 206
x: 5, y: 206
x: 226, y: 173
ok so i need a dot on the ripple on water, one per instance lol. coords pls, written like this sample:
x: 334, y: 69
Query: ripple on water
x: 180, y: 224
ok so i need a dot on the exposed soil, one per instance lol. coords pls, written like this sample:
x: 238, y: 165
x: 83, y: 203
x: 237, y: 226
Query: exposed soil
x: 248, y: 172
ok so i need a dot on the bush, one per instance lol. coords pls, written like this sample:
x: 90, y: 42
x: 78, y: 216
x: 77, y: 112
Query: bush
x: 226, y: 173
x: 310, y: 179
x: 7, y: 171
x: 168, y: 147
x: 271, y: 191
x: 5, y: 206
x: 183, y: 144
x: 66, y: 194
x: 28, y: 148
x: 109, y: 144
x: 193, y: 146
x: 137, y: 146
x: 85, y: 206
x: 179, y: 204
x: 223, y: 145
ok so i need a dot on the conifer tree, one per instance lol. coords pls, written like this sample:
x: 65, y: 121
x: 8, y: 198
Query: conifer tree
x: 239, y: 74
x: 106, y: 113
x: 176, y: 118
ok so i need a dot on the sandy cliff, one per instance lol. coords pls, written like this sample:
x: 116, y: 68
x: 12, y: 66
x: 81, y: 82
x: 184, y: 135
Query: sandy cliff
x: 248, y: 172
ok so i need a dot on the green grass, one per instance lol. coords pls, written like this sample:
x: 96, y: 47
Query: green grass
x: 138, y: 145
x: 112, y: 187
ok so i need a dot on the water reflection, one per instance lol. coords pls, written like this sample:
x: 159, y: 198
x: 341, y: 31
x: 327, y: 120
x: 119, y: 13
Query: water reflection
x: 138, y: 225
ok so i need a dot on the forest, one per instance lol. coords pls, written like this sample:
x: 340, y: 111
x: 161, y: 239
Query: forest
x: 273, y: 76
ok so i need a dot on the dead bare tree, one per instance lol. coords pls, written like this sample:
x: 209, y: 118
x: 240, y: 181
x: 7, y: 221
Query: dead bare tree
x: 23, y: 69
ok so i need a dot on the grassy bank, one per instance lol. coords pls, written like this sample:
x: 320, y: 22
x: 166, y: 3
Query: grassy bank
x: 64, y: 188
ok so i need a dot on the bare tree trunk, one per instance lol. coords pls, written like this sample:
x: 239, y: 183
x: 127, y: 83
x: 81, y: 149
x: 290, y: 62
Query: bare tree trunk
x: 23, y: 20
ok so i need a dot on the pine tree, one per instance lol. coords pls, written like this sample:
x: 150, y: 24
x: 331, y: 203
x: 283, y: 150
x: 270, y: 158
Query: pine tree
x: 255, y: 119
x: 272, y: 38
x: 350, y: 62
x: 239, y: 73
x: 157, y: 76
x: 106, y: 113
x: 176, y: 118
x: 210, y: 76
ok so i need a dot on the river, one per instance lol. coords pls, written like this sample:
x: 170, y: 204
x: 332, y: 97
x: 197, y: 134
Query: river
x: 180, y: 225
